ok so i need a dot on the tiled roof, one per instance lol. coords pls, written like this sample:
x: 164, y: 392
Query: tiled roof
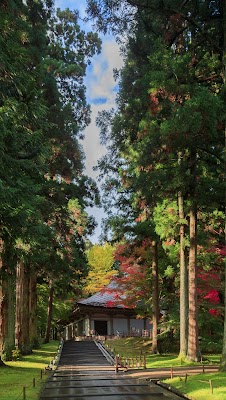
x: 105, y: 298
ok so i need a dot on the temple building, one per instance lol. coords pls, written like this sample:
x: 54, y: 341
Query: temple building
x: 101, y: 315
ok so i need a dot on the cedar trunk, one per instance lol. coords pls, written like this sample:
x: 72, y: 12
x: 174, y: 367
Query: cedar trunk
x: 193, y: 343
x: 155, y: 298
x: 33, y: 334
x: 2, y: 320
x: 7, y: 311
x: 223, y: 358
x: 3, y: 313
x: 49, y: 313
x: 9, y: 339
x: 2, y: 307
x: 22, y: 310
x: 183, y: 285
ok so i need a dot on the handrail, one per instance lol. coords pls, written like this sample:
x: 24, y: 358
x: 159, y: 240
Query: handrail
x: 106, y: 354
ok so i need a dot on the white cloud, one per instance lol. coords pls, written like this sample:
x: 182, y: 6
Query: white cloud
x: 100, y: 85
x: 100, y: 81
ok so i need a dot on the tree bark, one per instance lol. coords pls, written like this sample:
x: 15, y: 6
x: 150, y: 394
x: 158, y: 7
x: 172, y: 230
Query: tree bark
x: 22, y: 310
x: 223, y: 357
x: 9, y: 342
x: 155, y: 298
x: 183, y: 285
x: 33, y: 334
x: 49, y: 312
x: 193, y: 342
x: 2, y: 306
x: 7, y: 310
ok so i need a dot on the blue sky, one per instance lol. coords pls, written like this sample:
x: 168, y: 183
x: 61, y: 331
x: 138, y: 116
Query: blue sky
x: 101, y: 92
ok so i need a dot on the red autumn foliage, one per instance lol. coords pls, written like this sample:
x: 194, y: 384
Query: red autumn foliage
x: 133, y: 284
x: 214, y: 312
x: 213, y: 297
x: 210, y: 284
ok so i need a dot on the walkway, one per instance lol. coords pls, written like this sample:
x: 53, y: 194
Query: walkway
x: 84, y: 374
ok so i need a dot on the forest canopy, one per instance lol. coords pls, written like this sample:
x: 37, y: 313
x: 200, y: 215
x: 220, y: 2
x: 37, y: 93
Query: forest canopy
x: 163, y: 177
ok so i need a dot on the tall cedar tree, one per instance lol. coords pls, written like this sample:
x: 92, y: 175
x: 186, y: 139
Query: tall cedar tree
x: 69, y: 51
x: 170, y: 103
x: 43, y: 108
x: 22, y: 120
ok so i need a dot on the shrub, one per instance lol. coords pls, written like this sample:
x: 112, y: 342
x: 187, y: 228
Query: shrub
x: 16, y: 354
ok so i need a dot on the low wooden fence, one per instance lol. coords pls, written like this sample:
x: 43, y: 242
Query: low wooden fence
x: 130, y: 362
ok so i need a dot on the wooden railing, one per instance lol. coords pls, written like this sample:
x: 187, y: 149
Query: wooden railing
x: 130, y: 362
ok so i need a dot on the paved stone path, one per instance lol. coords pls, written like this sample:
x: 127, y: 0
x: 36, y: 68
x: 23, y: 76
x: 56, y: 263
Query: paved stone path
x: 83, y: 373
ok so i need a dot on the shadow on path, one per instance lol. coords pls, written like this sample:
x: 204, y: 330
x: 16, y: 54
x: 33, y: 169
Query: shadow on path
x: 83, y: 373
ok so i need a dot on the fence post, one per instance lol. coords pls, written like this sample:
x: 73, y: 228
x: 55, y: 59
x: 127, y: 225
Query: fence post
x: 211, y: 386
x: 41, y: 374
x: 145, y: 365
x: 24, y: 393
x: 116, y: 364
x: 171, y: 372
x: 33, y: 382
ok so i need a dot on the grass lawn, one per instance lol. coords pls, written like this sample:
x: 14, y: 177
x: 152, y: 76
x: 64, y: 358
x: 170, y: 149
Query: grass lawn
x: 129, y: 347
x: 18, y: 374
x: 197, y: 387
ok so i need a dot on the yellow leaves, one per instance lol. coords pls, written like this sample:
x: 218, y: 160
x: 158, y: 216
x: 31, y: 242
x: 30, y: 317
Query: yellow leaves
x: 100, y: 260
x: 21, y: 245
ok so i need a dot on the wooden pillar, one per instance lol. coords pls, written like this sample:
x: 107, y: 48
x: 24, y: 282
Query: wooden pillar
x: 145, y: 323
x: 111, y: 326
x: 66, y: 332
x: 89, y: 325
x: 128, y: 325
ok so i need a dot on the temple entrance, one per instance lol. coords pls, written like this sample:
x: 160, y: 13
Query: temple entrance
x: 101, y: 327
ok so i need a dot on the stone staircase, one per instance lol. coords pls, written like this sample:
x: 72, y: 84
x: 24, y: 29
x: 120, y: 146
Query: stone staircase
x: 83, y: 373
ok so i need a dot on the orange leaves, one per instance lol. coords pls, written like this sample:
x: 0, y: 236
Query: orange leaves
x: 176, y: 21
x: 80, y: 230
x: 154, y: 104
x: 134, y: 281
x: 170, y: 242
x: 173, y: 27
x: 161, y: 95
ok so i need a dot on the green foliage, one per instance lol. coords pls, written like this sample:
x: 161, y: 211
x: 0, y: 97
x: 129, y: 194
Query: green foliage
x: 16, y: 355
x: 62, y: 304
x: 169, y: 271
x: 7, y: 354
x: 166, y: 137
x: 166, y: 219
x: 43, y: 110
